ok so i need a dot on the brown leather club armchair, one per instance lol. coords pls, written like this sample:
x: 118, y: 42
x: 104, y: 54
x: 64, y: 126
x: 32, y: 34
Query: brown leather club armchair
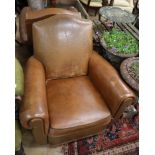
x: 70, y: 91
x: 29, y: 16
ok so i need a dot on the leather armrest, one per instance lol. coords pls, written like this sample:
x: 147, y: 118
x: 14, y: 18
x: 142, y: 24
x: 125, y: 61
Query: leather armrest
x: 115, y: 92
x: 34, y: 103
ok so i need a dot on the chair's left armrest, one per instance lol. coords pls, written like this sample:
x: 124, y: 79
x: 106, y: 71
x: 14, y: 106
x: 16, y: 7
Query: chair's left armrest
x: 114, y: 91
x: 34, y: 104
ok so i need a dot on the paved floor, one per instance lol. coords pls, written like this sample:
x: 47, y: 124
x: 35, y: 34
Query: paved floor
x: 31, y: 148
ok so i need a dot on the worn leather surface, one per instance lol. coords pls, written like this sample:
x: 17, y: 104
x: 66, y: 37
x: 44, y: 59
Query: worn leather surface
x: 73, y: 104
x: 59, y: 43
x: 34, y: 103
x: 72, y: 89
x: 108, y: 82
x: 28, y: 17
x: 57, y: 137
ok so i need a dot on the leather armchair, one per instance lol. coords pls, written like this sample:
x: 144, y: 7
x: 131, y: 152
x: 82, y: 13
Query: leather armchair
x: 70, y: 91
x: 29, y: 16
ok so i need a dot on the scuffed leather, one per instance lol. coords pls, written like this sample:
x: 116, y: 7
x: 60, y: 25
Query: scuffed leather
x: 59, y: 43
x: 34, y: 102
x: 74, y: 103
x: 108, y: 82
x: 28, y: 17
x: 69, y: 87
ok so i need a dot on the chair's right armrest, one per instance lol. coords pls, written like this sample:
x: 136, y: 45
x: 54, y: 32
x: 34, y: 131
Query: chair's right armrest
x: 114, y: 91
x: 34, y: 105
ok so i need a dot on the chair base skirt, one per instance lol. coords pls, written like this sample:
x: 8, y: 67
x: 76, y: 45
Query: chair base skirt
x: 79, y: 134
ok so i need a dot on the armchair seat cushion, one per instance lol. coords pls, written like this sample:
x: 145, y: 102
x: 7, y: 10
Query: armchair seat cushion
x: 74, y: 104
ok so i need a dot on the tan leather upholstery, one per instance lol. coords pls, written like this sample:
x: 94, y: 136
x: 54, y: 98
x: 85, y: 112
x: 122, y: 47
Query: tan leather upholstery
x: 57, y: 45
x: 28, y: 17
x: 80, y: 107
x: 34, y: 102
x: 108, y: 82
x: 77, y: 102
x: 71, y: 107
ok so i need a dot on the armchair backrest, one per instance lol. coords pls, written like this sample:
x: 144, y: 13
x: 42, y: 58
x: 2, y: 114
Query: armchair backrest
x: 63, y: 43
x: 28, y: 17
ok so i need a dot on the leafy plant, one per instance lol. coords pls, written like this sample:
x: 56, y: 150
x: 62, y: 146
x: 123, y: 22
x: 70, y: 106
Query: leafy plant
x: 120, y: 42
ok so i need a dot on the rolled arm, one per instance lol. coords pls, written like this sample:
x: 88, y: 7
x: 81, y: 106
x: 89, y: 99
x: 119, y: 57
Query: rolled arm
x: 34, y: 105
x: 114, y: 91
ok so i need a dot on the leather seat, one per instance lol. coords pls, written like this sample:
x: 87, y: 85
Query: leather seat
x: 77, y: 102
x: 70, y: 91
x: 75, y: 106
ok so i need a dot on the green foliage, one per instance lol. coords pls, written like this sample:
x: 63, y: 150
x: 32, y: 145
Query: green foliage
x: 120, y: 42
x: 19, y: 79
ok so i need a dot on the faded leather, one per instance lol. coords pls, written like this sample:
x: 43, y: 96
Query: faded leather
x: 57, y: 137
x: 74, y: 103
x: 28, y: 17
x: 73, y: 89
x: 59, y: 43
x: 34, y: 102
x: 106, y: 79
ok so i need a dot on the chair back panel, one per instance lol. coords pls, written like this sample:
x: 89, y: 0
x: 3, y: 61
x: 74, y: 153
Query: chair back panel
x: 63, y: 43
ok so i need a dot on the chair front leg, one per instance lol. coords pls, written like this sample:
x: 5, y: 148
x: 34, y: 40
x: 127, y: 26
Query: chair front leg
x: 38, y: 131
